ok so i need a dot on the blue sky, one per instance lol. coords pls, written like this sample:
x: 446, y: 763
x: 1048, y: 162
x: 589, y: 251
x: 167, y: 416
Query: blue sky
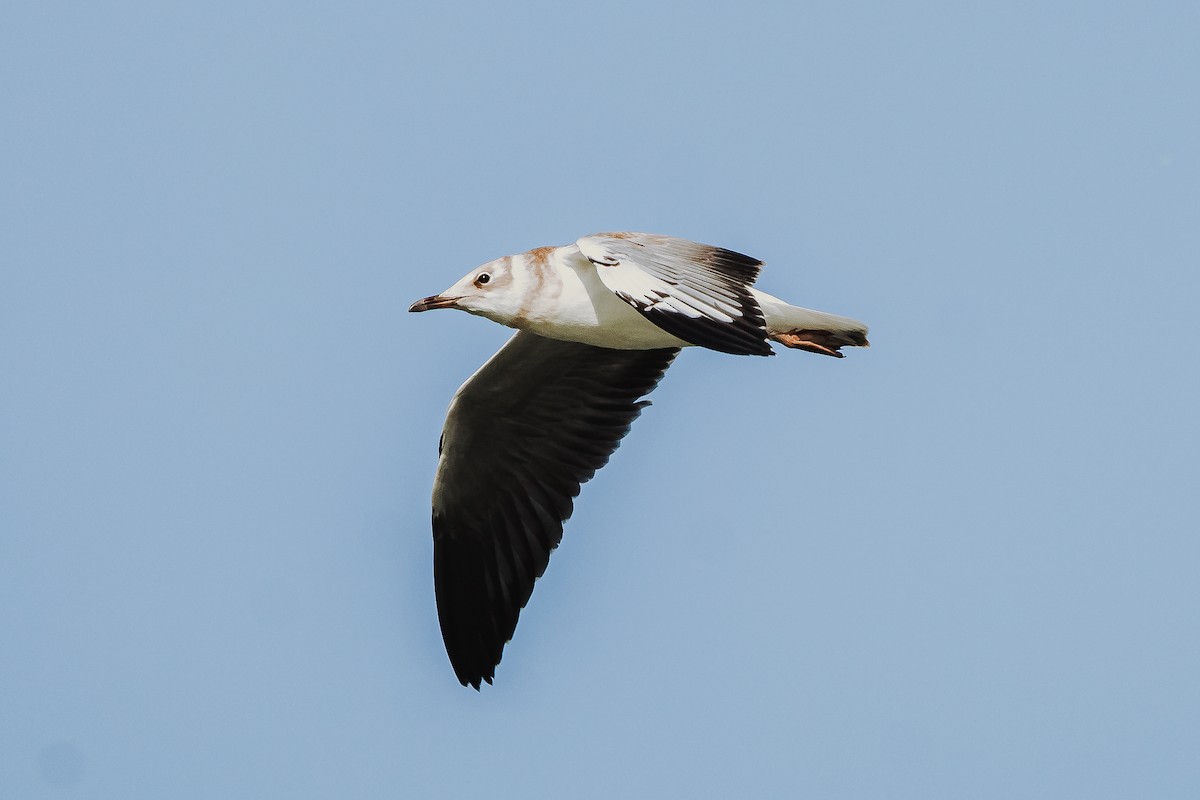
x: 959, y: 564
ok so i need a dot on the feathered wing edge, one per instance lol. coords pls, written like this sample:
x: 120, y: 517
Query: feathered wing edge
x: 698, y: 292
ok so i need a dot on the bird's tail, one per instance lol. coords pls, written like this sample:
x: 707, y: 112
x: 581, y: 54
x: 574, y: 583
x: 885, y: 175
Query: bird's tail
x: 805, y: 329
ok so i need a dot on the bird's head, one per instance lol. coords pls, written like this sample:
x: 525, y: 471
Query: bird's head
x: 489, y: 291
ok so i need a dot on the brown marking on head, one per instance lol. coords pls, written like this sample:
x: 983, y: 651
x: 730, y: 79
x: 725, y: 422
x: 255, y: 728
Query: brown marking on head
x: 544, y: 284
x: 500, y: 275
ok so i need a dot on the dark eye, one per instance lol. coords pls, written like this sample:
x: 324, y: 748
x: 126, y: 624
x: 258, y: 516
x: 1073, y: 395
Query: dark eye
x: 482, y: 279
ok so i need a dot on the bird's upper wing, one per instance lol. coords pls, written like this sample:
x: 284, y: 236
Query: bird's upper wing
x: 522, y: 434
x: 697, y: 292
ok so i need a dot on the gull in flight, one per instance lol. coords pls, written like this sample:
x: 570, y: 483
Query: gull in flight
x: 598, y: 323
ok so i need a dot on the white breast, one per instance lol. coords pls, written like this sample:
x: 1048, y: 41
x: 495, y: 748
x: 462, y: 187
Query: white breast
x: 585, y: 310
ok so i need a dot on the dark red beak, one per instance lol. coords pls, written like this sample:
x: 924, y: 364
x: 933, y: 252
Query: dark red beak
x: 433, y: 301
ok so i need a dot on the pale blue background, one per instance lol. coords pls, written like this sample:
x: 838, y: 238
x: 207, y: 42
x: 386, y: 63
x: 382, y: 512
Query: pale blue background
x: 962, y: 564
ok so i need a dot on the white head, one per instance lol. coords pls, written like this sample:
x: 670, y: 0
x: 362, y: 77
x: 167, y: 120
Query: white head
x: 496, y: 291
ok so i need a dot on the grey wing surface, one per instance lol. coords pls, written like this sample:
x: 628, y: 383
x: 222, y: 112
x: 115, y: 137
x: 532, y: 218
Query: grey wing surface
x: 521, y: 436
x: 697, y: 292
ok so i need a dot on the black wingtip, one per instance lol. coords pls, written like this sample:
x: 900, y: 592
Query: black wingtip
x: 745, y: 337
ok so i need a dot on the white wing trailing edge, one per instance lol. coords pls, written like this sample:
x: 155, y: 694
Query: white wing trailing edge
x: 697, y: 292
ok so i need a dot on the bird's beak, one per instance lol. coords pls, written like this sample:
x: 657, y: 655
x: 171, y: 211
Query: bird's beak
x: 434, y: 301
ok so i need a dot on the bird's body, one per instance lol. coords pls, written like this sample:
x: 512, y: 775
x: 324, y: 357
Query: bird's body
x: 600, y: 320
x: 570, y: 303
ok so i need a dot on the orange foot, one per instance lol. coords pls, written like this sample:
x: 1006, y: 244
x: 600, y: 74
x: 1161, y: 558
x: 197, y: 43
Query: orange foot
x: 826, y: 343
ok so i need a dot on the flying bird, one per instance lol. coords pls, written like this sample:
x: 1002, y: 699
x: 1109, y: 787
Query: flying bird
x: 598, y: 323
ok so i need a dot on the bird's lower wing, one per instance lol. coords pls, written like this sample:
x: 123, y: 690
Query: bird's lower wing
x: 522, y: 434
x: 697, y: 292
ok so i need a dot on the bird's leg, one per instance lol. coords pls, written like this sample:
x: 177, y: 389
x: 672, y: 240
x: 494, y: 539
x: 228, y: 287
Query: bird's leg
x: 827, y: 343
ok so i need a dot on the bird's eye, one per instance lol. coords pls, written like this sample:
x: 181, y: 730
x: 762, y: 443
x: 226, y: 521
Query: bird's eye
x: 483, y: 278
